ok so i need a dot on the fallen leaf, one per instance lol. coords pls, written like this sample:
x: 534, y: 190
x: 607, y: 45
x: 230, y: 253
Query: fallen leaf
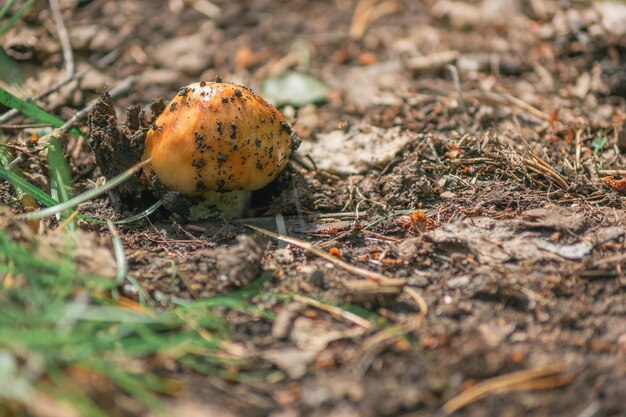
x: 295, y: 89
x: 356, y: 151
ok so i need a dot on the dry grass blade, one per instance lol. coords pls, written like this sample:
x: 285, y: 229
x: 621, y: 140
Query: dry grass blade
x: 490, y: 96
x: 335, y: 311
x: 547, y: 172
x: 382, y: 282
x: 69, y: 219
x: 374, y: 276
x: 421, y: 303
x: 432, y: 61
x: 515, y: 381
x: 525, y: 106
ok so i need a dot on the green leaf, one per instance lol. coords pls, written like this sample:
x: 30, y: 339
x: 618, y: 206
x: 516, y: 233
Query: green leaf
x: 295, y: 89
x: 598, y: 144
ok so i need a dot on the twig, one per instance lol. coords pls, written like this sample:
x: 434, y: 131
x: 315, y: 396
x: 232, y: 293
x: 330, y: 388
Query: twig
x: 375, y: 344
x: 620, y: 172
x: 562, y: 181
x: 503, y: 383
x: 525, y: 106
x: 366, y: 13
x: 579, y: 133
x: 547, y: 172
x: 374, y: 276
x: 432, y: 61
x: 421, y: 303
x: 381, y: 237
x: 335, y: 311
x: 507, y: 99
x: 68, y: 54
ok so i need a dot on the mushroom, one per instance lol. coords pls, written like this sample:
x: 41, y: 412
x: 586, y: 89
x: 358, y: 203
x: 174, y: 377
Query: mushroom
x: 215, y: 143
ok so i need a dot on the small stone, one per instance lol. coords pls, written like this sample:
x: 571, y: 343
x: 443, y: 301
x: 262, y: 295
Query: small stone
x: 458, y: 282
x: 419, y: 281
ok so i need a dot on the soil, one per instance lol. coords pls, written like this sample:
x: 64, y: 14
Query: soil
x: 493, y: 204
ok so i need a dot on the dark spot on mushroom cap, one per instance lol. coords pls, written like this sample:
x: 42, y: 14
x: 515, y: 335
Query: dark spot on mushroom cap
x: 224, y: 99
x: 183, y: 91
x: 199, y: 163
x: 200, y: 186
x: 259, y: 165
x: 199, y: 139
x: 202, y: 83
x: 220, y: 185
x: 219, y: 127
x: 257, y: 142
x: 222, y: 158
x: 218, y: 79
x: 270, y: 173
x: 233, y: 130
x: 238, y: 93
x: 173, y: 106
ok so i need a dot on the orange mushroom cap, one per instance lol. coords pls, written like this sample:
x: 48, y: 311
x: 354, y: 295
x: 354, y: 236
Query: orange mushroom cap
x: 216, y: 136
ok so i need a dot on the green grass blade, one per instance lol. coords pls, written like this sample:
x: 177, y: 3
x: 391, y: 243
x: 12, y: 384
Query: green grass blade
x: 29, y: 109
x: 141, y: 215
x: 5, y: 159
x: 26, y: 187
x: 88, y: 195
x: 66, y: 389
x: 42, y: 197
x: 16, y: 17
x: 5, y: 8
x: 60, y: 177
x: 118, y: 251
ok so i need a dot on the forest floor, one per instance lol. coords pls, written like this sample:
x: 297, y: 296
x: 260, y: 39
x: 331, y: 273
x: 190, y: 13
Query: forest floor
x: 467, y: 154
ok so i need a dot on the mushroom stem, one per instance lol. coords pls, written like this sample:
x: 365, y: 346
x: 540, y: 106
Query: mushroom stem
x: 228, y: 205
